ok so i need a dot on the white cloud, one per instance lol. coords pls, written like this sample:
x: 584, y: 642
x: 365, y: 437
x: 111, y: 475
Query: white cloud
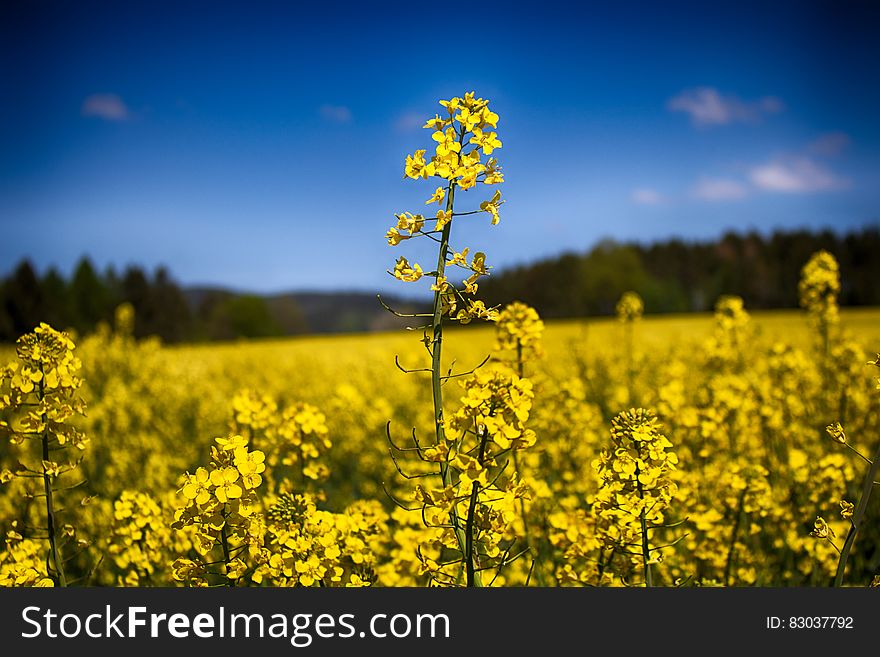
x: 706, y: 106
x: 335, y: 113
x: 646, y: 196
x: 109, y: 107
x: 409, y: 121
x: 830, y: 144
x: 719, y: 189
x: 797, y: 175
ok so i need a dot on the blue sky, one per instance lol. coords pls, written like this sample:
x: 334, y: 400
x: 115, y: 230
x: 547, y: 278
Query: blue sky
x: 261, y: 146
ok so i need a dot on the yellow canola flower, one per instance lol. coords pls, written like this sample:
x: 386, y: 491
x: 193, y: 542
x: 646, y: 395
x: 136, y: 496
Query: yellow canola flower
x: 410, y: 222
x: 250, y: 465
x: 231, y: 443
x: 489, y: 117
x: 395, y: 237
x: 520, y: 329
x: 630, y: 307
x: 405, y: 272
x: 836, y: 432
x: 440, y: 284
x: 438, y: 195
x: 451, y: 105
x: 415, y: 165
x: 821, y: 529
x: 443, y: 218
x: 470, y: 284
x: 197, y: 487
x: 468, y: 177
x: 468, y: 119
x: 478, y: 264
x: 491, y: 206
x: 447, y: 142
x: 459, y: 258
x: 470, y: 471
x: 436, y: 123
x: 226, y: 482
x: 488, y: 141
x: 445, y: 166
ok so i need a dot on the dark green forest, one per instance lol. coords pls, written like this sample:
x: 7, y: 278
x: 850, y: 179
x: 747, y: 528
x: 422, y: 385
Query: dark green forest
x: 671, y: 276
x: 176, y: 314
x: 161, y: 306
x: 680, y: 276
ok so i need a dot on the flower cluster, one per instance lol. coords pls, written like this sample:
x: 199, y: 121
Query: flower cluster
x: 474, y: 514
x: 294, y: 439
x: 630, y: 307
x: 732, y: 332
x: 463, y: 136
x: 496, y: 406
x: 23, y: 563
x: 583, y: 560
x: 464, y: 520
x: 221, y: 502
x: 43, y: 385
x: 726, y: 515
x: 140, y: 531
x: 253, y: 414
x: 730, y: 313
x: 519, y: 329
x: 409, y: 544
x: 39, y: 396
x: 133, y: 403
x: 307, y: 546
x: 819, y: 287
x: 302, y: 439
x: 635, y: 484
x: 467, y: 124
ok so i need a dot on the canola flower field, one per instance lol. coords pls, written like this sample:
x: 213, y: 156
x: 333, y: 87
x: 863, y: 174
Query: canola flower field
x: 718, y: 450
x: 744, y: 408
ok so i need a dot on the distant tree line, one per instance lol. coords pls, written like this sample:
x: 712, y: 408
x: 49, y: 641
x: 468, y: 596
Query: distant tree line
x: 161, y: 307
x: 671, y: 276
x: 680, y: 276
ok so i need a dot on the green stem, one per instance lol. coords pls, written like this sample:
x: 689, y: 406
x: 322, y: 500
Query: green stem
x: 436, y: 355
x: 649, y: 576
x: 54, y: 555
x: 437, y: 339
x: 470, y: 557
x: 224, y: 542
x: 646, y: 550
x: 469, y: 538
x: 858, y: 516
